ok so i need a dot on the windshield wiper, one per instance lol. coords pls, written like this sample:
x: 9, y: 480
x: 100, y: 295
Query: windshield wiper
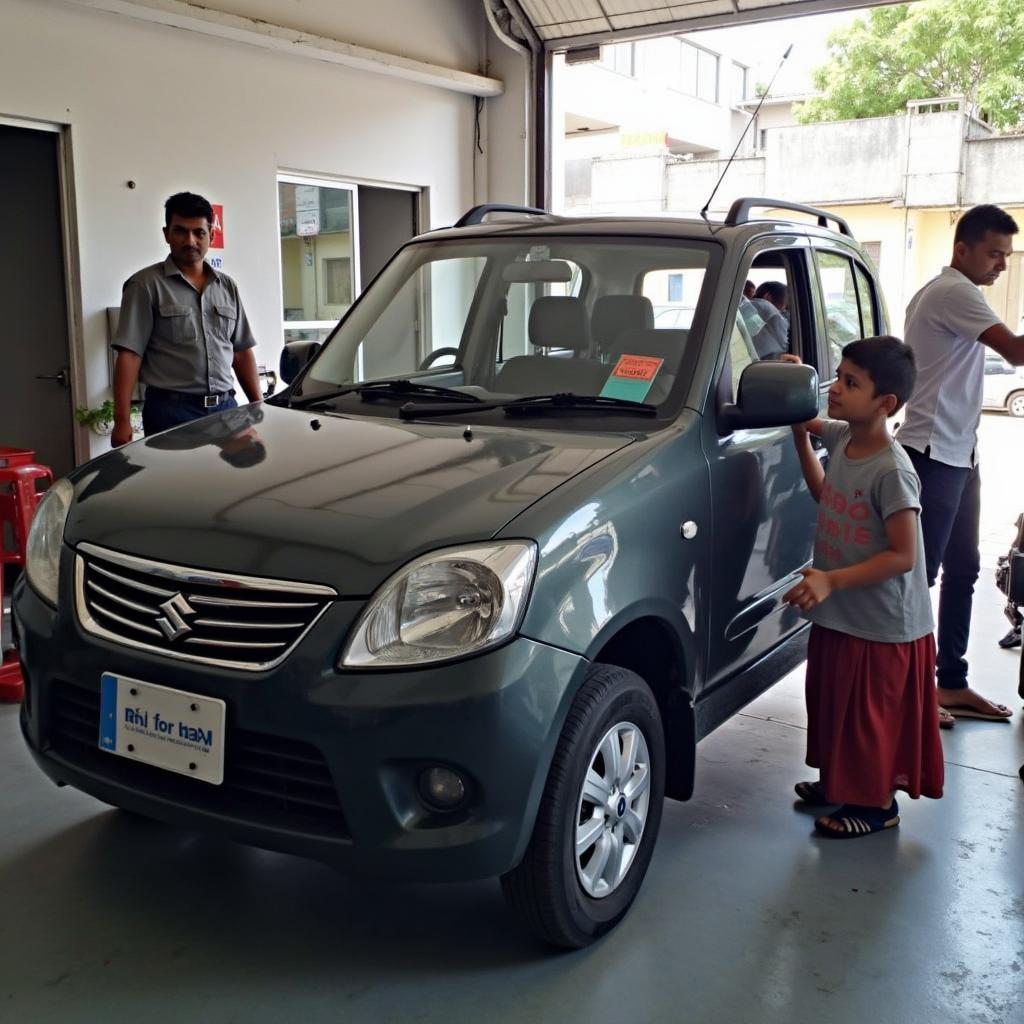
x: 535, y: 405
x: 399, y: 387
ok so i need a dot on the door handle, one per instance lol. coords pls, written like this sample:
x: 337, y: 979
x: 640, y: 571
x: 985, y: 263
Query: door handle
x: 61, y: 377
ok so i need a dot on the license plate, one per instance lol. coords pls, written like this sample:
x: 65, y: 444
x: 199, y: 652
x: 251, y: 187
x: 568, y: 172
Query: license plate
x: 171, y: 729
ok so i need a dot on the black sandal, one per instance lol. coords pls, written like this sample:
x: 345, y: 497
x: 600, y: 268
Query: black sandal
x: 859, y: 821
x: 812, y: 794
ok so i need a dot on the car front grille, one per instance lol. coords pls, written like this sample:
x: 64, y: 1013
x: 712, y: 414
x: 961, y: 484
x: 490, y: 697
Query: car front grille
x: 239, y: 622
x: 269, y: 780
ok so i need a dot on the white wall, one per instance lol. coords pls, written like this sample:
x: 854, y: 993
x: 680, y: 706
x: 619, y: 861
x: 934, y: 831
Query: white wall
x: 175, y: 110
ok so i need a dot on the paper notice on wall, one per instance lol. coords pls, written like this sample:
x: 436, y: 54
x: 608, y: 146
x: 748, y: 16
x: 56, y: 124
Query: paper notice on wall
x: 217, y: 227
x: 307, y: 210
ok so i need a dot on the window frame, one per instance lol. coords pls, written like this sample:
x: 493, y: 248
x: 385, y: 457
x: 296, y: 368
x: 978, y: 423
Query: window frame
x: 319, y: 182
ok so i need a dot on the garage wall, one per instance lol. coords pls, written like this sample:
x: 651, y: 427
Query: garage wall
x: 176, y: 110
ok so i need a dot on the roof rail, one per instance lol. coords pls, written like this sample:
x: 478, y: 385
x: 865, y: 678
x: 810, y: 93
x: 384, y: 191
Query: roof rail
x: 477, y: 214
x: 739, y: 212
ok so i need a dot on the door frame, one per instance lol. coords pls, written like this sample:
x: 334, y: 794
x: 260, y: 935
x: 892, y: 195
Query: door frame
x: 72, y: 271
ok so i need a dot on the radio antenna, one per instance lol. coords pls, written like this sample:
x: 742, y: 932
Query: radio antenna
x: 753, y: 117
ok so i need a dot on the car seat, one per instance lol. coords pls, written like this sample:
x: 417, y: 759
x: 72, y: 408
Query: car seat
x: 556, y: 321
x: 613, y: 315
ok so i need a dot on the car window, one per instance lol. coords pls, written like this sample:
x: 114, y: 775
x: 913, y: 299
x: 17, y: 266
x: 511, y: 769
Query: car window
x: 761, y: 328
x: 865, y: 293
x: 841, y: 304
x: 517, y: 316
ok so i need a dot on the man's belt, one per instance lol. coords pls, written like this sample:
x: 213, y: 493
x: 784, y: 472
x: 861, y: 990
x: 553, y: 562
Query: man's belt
x: 206, y: 401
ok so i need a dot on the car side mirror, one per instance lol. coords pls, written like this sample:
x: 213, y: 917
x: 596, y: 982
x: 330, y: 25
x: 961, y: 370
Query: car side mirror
x: 772, y: 394
x: 294, y: 357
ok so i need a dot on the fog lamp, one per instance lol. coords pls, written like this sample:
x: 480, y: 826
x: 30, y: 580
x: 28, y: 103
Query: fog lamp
x: 442, y: 788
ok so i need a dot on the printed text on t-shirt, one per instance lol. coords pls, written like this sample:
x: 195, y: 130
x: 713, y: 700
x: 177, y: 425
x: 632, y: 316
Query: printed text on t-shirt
x: 838, y: 519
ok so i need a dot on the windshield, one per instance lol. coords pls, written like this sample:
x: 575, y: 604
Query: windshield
x: 507, y: 318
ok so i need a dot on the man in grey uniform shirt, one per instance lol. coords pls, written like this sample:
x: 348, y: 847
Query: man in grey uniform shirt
x: 182, y: 330
x: 948, y: 325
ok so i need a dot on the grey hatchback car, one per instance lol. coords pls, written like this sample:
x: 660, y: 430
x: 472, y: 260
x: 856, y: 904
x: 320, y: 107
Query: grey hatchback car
x: 462, y: 600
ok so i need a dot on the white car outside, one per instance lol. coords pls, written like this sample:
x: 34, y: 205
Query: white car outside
x: 1004, y: 385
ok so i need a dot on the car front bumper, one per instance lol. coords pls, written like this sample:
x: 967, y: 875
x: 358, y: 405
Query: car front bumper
x: 318, y: 762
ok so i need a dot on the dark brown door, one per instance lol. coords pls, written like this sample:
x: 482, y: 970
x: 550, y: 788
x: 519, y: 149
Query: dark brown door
x: 35, y: 368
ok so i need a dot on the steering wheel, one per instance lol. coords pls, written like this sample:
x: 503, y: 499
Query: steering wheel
x: 435, y: 355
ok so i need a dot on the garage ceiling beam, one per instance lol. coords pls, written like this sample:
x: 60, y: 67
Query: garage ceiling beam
x: 716, y: 14
x: 192, y: 17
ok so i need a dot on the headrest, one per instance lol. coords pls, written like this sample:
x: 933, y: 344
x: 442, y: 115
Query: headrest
x: 662, y: 344
x: 615, y: 314
x: 560, y: 321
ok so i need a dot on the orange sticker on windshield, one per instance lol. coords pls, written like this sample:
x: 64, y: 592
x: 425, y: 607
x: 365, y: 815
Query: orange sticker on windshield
x: 637, y: 367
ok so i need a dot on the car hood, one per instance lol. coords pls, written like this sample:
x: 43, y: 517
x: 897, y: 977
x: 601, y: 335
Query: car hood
x: 345, y: 501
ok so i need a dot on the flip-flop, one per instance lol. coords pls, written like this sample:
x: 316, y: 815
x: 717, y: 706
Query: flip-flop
x: 859, y: 821
x: 812, y: 794
x: 966, y: 711
x: 946, y: 719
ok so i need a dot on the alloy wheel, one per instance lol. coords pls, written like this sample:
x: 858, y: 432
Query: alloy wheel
x: 612, y: 809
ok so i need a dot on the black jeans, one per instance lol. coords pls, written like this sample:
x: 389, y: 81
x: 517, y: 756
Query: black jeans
x: 950, y: 514
x: 161, y: 412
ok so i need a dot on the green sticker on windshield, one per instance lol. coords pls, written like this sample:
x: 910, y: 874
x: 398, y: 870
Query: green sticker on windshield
x: 632, y: 378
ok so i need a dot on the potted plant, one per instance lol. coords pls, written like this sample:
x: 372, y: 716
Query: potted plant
x: 100, y: 420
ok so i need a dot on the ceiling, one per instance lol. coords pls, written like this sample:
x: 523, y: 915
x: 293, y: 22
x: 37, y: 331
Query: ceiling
x: 566, y: 24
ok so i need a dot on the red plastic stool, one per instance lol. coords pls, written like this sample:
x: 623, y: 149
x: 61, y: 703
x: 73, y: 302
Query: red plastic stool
x: 12, y: 686
x: 16, y: 456
x: 18, y: 505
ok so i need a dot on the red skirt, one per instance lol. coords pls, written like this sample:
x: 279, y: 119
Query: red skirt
x: 872, y: 717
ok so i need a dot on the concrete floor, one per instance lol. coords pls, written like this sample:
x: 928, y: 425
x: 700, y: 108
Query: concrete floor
x: 744, y: 916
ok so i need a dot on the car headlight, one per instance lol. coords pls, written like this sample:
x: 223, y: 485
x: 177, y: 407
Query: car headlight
x: 45, y: 538
x: 444, y: 605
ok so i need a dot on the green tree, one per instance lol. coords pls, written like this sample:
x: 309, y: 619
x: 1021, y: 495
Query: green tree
x: 972, y: 48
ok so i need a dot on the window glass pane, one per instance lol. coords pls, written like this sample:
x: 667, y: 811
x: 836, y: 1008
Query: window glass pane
x: 867, y: 309
x: 317, y: 249
x: 842, y: 315
x: 688, y: 68
x: 618, y: 57
x: 707, y: 71
x: 741, y: 352
x: 516, y: 310
x: 661, y: 61
x: 739, y: 83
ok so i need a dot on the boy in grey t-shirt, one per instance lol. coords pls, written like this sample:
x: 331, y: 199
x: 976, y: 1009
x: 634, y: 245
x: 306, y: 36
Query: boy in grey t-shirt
x: 871, y: 707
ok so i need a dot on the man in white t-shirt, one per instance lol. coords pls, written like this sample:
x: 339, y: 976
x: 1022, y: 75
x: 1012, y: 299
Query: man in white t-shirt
x: 949, y: 323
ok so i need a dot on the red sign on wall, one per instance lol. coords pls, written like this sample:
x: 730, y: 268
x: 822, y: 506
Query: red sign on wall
x: 217, y: 227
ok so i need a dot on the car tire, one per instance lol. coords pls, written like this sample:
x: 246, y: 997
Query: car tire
x: 570, y: 900
x: 1015, y: 404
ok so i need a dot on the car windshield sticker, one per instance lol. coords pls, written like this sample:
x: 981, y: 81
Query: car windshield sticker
x: 632, y: 378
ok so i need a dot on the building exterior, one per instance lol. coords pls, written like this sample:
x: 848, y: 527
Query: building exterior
x: 901, y: 181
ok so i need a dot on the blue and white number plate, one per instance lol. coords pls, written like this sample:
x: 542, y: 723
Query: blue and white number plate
x: 181, y: 732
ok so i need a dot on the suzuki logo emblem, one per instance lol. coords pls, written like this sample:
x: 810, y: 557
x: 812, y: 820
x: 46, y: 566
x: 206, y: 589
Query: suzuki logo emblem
x: 172, y: 623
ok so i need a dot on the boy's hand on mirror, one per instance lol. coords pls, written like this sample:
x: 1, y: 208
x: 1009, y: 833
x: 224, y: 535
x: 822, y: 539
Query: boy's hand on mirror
x: 815, y: 588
